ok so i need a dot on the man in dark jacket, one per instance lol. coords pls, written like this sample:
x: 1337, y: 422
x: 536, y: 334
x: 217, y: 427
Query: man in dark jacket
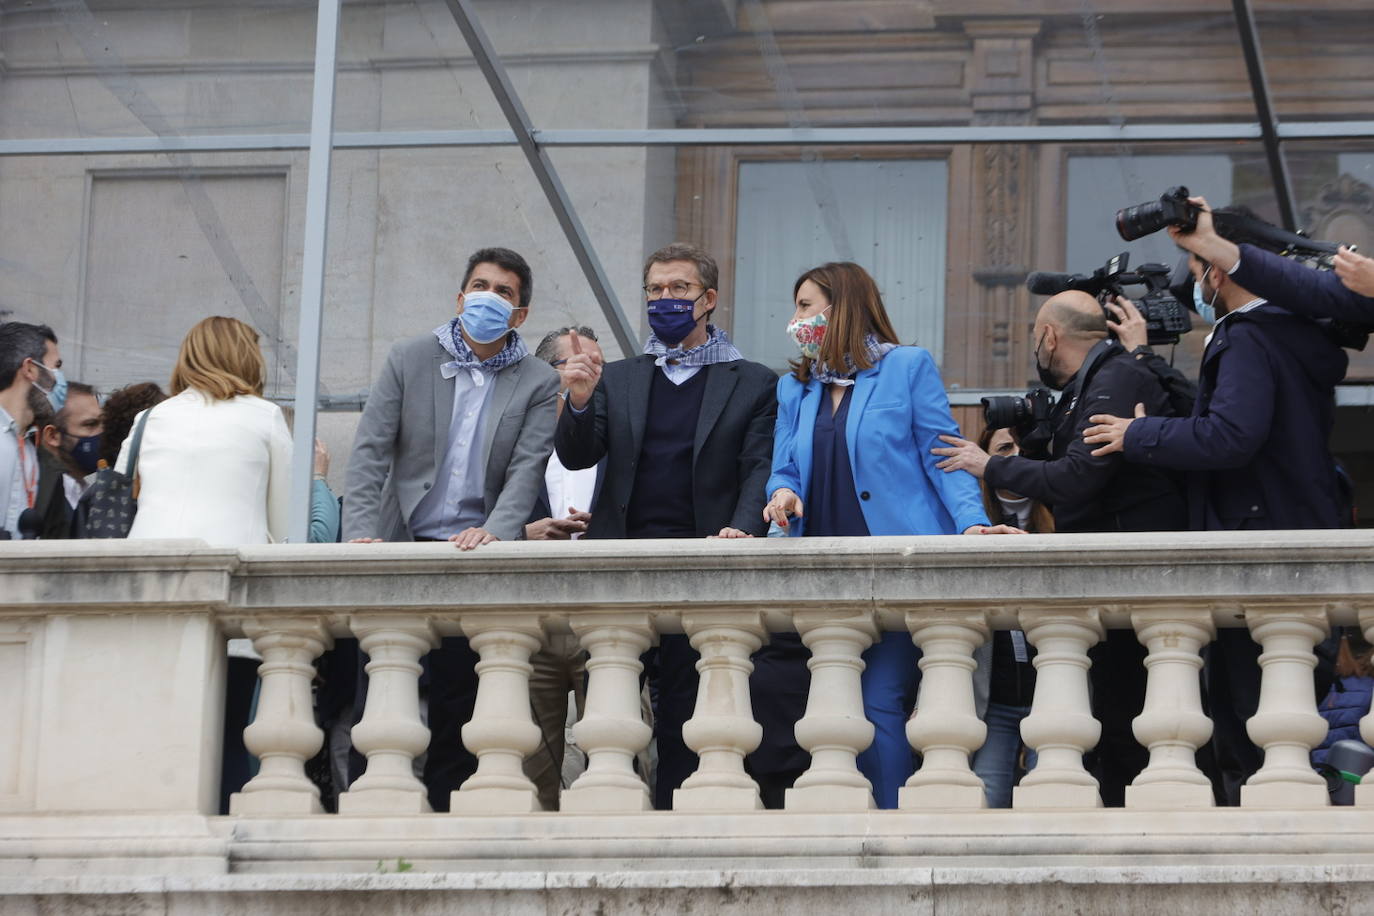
x: 1256, y: 457
x: 686, y: 430
x: 1089, y: 492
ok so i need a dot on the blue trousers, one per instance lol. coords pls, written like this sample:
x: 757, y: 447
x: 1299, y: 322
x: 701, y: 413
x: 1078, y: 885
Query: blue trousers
x: 889, y: 685
x: 996, y: 761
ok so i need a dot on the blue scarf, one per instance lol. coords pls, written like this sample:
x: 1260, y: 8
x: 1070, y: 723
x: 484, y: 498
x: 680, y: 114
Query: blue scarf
x: 451, y: 339
x: 873, y: 349
x: 717, y: 349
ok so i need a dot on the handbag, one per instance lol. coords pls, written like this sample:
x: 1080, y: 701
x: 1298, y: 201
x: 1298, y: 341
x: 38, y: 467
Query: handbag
x: 107, y: 508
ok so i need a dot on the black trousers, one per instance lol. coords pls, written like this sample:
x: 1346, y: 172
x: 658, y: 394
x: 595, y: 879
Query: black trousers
x: 1231, y: 675
x: 1118, y: 683
x: 452, y: 676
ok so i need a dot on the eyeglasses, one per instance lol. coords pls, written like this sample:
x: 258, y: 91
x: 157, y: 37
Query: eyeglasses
x: 678, y: 288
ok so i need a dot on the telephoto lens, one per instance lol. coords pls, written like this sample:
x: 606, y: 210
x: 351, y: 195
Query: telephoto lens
x: 1005, y: 411
x: 1172, y: 209
x: 1137, y: 222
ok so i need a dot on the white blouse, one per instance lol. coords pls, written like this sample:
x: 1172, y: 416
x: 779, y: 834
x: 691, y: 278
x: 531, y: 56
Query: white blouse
x: 214, y: 470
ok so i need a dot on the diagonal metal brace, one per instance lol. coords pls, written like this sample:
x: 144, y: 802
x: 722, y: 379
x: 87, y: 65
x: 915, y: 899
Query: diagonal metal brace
x: 1259, y: 87
x: 519, y: 120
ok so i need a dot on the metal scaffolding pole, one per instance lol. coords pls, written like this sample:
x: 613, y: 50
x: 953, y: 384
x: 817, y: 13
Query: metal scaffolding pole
x: 539, y: 161
x: 312, y: 273
x: 1259, y: 87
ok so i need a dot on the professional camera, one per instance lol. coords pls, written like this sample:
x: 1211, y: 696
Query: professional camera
x: 1160, y: 304
x: 1172, y: 209
x: 1028, y: 417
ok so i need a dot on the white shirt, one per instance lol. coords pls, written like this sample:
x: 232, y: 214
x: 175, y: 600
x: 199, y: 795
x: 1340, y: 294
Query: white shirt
x: 1252, y: 304
x: 568, y: 488
x: 457, y: 500
x: 74, y: 487
x: 215, y: 470
x: 678, y: 373
x: 18, y: 462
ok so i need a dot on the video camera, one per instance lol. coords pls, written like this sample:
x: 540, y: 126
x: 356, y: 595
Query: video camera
x: 1166, y: 318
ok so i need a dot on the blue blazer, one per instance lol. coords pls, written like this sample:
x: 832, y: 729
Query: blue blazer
x: 896, y: 414
x: 1299, y: 289
x: 1255, y: 448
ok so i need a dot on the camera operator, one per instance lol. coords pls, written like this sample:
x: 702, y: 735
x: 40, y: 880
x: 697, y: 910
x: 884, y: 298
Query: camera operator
x: 1073, y: 352
x: 1255, y: 450
x: 1344, y: 294
x: 1131, y: 333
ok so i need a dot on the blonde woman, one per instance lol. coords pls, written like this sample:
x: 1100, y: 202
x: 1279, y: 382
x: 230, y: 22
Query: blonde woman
x: 215, y: 459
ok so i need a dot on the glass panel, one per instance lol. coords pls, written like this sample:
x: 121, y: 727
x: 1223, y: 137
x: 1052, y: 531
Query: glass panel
x: 1334, y: 185
x: 167, y: 69
x: 122, y: 254
x: 878, y: 63
x: 1333, y: 85
x: 405, y: 66
x: 888, y: 216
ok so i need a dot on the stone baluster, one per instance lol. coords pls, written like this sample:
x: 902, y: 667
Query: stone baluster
x: 502, y: 731
x: 391, y: 734
x: 1172, y: 724
x: 283, y: 734
x: 834, y: 729
x: 1364, y: 792
x: 611, y: 731
x: 946, y: 728
x: 722, y: 729
x: 1060, y: 727
x: 1287, y: 725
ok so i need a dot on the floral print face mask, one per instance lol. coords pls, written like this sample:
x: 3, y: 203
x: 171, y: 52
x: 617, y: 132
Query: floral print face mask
x: 807, y: 333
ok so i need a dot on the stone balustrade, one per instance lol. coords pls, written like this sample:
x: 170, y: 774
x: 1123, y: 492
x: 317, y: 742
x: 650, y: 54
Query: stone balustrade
x: 112, y: 678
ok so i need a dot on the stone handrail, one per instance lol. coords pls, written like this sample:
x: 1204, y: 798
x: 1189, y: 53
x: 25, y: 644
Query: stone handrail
x: 112, y: 661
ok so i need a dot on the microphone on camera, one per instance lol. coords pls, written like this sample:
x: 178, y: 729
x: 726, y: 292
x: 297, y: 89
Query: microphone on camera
x: 1045, y: 283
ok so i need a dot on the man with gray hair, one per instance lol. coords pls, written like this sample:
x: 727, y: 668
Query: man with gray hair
x: 686, y: 431
x: 561, y: 512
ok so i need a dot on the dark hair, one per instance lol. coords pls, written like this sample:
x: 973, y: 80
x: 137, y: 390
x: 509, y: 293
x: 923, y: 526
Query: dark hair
x: 118, y: 415
x: 74, y: 388
x: 20, y: 341
x: 505, y: 259
x: 548, y: 347
x: 43, y: 414
x: 1355, y: 657
x: 707, y: 270
x: 1041, y: 519
x: 856, y: 309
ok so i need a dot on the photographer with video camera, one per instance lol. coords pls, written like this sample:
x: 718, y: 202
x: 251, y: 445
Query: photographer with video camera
x: 1254, y: 450
x: 1086, y: 492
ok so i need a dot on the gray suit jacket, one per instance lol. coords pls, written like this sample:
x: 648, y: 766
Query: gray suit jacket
x: 403, y: 433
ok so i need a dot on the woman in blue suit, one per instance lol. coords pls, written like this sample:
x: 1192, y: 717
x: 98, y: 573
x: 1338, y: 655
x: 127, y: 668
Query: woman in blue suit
x: 857, y: 418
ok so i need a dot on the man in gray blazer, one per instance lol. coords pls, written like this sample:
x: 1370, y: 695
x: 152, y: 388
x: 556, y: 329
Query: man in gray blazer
x: 456, y: 432
x: 452, y: 446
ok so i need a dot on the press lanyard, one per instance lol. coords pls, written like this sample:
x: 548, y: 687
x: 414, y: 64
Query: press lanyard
x: 27, y: 474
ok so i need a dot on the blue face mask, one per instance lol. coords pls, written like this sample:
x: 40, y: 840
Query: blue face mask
x: 1205, y: 310
x: 486, y: 316
x: 86, y: 452
x: 672, y: 319
x: 57, y: 394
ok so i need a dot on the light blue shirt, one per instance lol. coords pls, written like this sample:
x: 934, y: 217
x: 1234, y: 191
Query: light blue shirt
x: 456, y: 501
x: 14, y: 499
